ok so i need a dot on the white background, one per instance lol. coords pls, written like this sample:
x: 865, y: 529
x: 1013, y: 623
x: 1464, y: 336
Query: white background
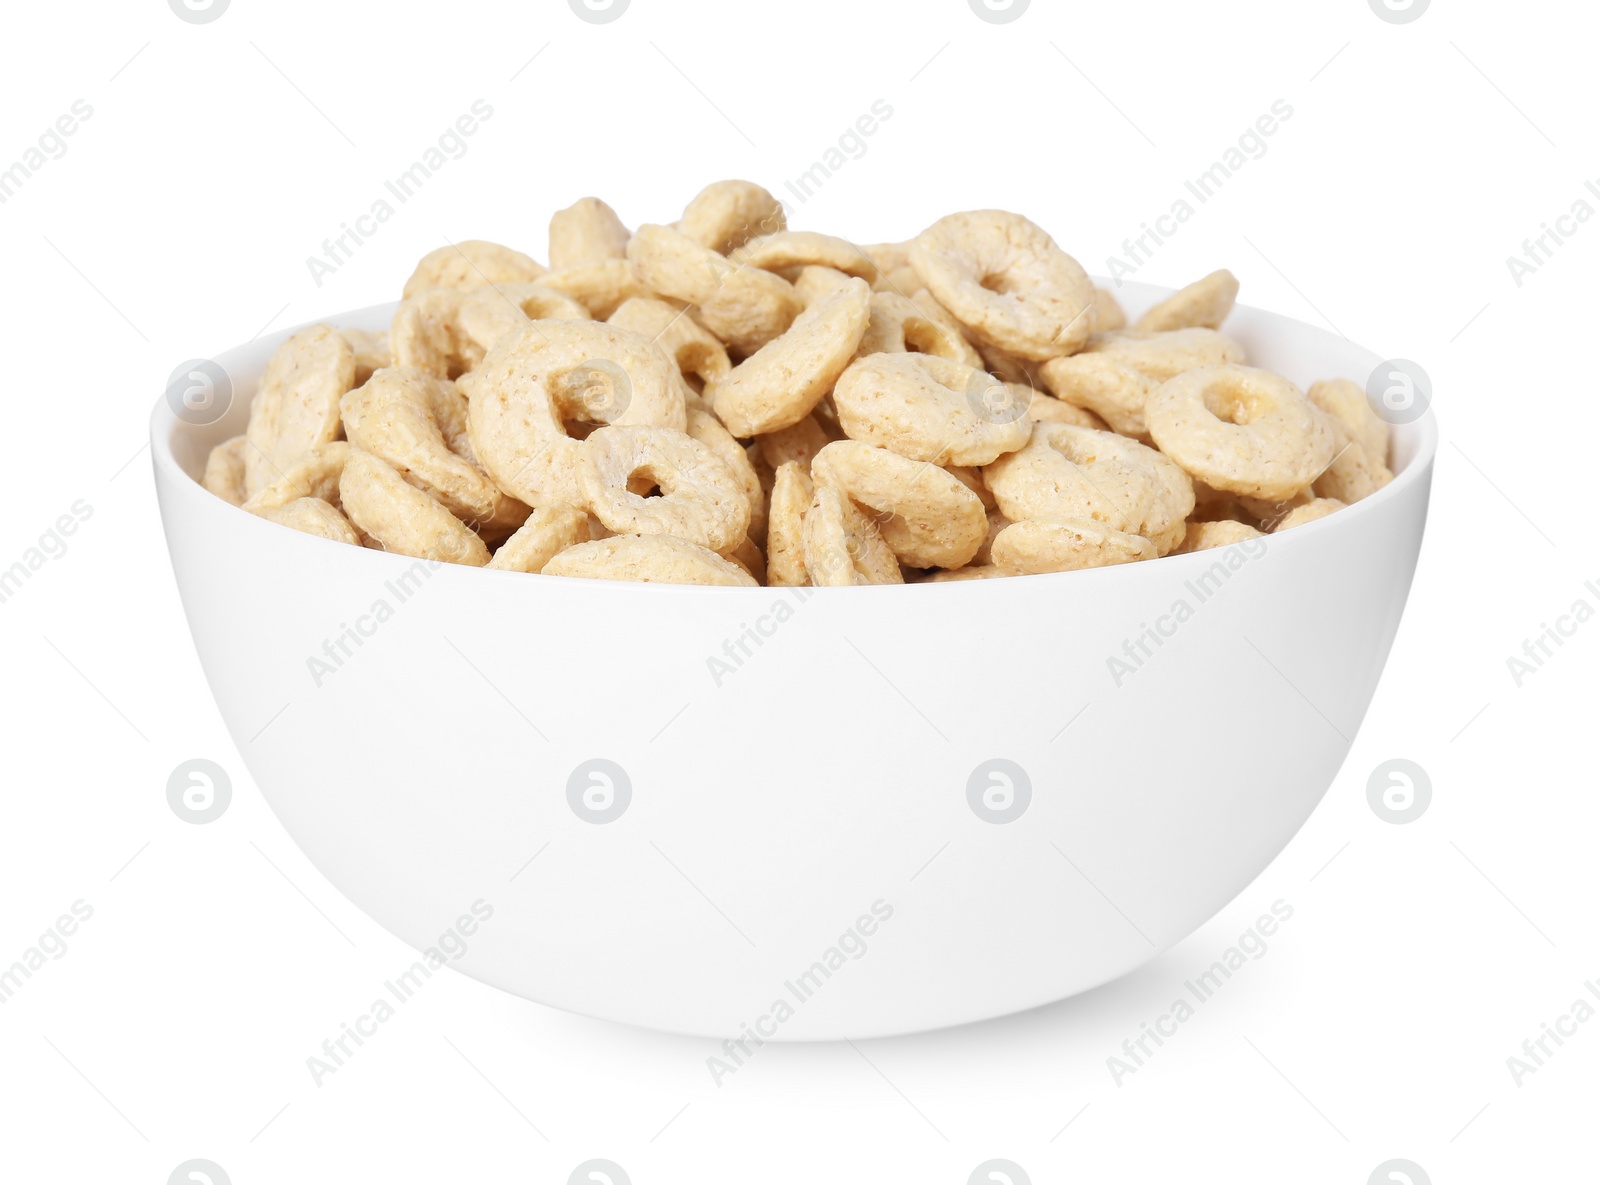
x: 178, y: 222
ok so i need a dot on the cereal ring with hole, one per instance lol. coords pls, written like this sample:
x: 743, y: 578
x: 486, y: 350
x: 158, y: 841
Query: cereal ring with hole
x: 1203, y: 536
x: 224, y: 475
x: 548, y: 532
x: 897, y: 325
x: 782, y: 382
x: 972, y: 477
x: 313, y: 474
x: 1066, y: 472
x: 469, y: 264
x: 426, y: 333
x: 815, y: 282
x: 1065, y: 545
x: 487, y: 315
x: 708, y: 430
x: 805, y: 248
x: 750, y: 309
x: 1309, y: 513
x: 672, y: 264
x: 371, y: 352
x: 928, y: 517
x: 1102, y: 384
x: 651, y: 559
x: 599, y: 286
x: 1346, y: 403
x: 586, y: 232
x: 1048, y: 409
x: 842, y: 546
x: 726, y: 215
x: 1107, y: 314
x: 925, y: 408
x: 313, y: 516
x: 1204, y: 304
x: 1160, y: 356
x: 792, y: 491
x: 701, y: 499
x: 408, y: 419
x: 798, y: 442
x: 1006, y: 280
x: 401, y: 517
x: 1353, y: 474
x: 551, y: 373
x: 685, y: 340
x: 297, y: 402
x: 1242, y: 430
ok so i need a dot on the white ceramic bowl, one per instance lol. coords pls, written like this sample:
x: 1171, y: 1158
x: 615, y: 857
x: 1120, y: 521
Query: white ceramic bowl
x: 821, y: 771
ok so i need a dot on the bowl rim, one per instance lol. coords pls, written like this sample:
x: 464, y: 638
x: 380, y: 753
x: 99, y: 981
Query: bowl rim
x: 1422, y: 435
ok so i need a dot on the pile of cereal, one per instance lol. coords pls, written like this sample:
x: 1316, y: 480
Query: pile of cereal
x: 727, y: 401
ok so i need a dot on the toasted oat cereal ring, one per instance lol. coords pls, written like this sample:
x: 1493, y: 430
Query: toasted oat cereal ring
x: 1218, y: 505
x: 426, y: 333
x: 1309, y: 513
x: 898, y: 325
x: 701, y: 498
x: 586, y: 232
x: 297, y: 402
x: 750, y: 309
x: 685, y: 340
x: 371, y: 352
x: 805, y: 248
x: 842, y: 545
x: 1050, y: 410
x: 972, y: 477
x: 748, y: 556
x: 798, y: 442
x: 1064, y: 545
x: 600, y: 285
x: 224, y: 475
x: 927, y: 516
x: 1202, y: 536
x: 1006, y: 280
x: 1160, y: 356
x: 1353, y: 474
x: 547, y: 532
x: 708, y: 430
x: 1239, y: 429
x: 726, y: 215
x: 313, y: 474
x: 1066, y: 472
x: 537, y: 379
x: 783, y: 381
x: 889, y: 257
x: 401, y: 517
x: 925, y: 408
x: 1010, y: 369
x: 1107, y: 314
x: 1206, y: 303
x: 972, y: 572
x: 792, y: 491
x: 651, y: 559
x: 997, y: 522
x: 816, y: 281
x: 1346, y: 402
x: 487, y: 315
x: 1103, y: 384
x: 674, y: 265
x: 471, y: 264
x: 409, y: 418
x: 313, y: 516
x: 903, y: 281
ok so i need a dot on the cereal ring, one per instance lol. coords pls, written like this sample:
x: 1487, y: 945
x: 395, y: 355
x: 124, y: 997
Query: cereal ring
x: 805, y: 248
x: 997, y: 522
x: 1206, y: 303
x: 792, y: 491
x: 701, y: 499
x: 487, y: 315
x: 898, y: 325
x: 708, y: 430
x: 371, y: 352
x: 313, y: 516
x: 750, y: 309
x: 550, y: 372
x: 903, y: 281
x: 1102, y: 384
x: 409, y: 419
x: 1202, y: 536
x: 1239, y: 429
x: 798, y: 442
x: 925, y: 408
x: 1161, y: 356
x: 928, y: 517
x: 297, y: 402
x: 815, y: 281
x: 1066, y: 472
x: 974, y: 572
x: 889, y: 257
x: 1048, y: 409
x: 685, y: 340
x: 783, y: 381
x: 1006, y: 280
x: 842, y: 546
x: 1346, y: 403
x: 600, y: 285
x: 652, y: 559
x: 1107, y: 314
x: 548, y: 532
x: 1310, y: 512
x: 1353, y: 474
x: 726, y: 215
x: 1009, y: 369
x: 972, y: 477
x: 224, y: 475
x: 313, y: 474
x: 674, y: 265
x: 585, y: 232
x: 1065, y: 545
x: 471, y: 264
x: 401, y: 517
x: 748, y: 556
x: 426, y: 333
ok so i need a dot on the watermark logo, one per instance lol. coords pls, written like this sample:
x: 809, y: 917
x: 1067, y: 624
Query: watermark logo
x: 1399, y: 390
x: 199, y: 12
x: 599, y: 791
x: 999, y: 12
x: 1399, y: 12
x: 999, y: 1172
x: 1399, y: 791
x: 199, y: 791
x: 200, y: 392
x: 995, y: 402
x: 598, y: 1172
x: 597, y: 390
x: 199, y: 1172
x: 999, y: 791
x: 599, y: 12
x: 1399, y: 1172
